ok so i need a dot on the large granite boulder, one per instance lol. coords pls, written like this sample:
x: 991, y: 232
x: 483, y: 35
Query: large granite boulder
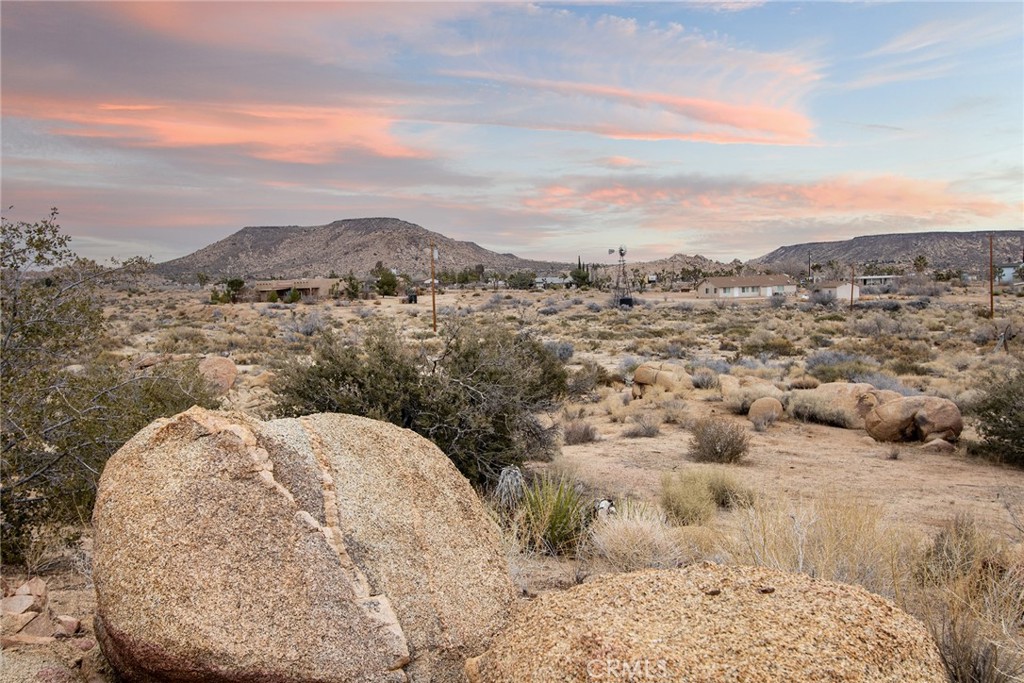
x: 849, y: 400
x: 220, y: 373
x: 325, y: 548
x: 669, y: 376
x: 915, y: 418
x: 711, y: 623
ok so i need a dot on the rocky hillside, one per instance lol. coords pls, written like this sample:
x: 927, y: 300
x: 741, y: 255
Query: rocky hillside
x: 962, y: 250
x: 347, y: 245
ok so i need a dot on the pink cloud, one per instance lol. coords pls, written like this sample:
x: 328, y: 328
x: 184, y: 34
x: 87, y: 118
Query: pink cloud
x: 842, y: 196
x: 690, y: 118
x: 282, y: 133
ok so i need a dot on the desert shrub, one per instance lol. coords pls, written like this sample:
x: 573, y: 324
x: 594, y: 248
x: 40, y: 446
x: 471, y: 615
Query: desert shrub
x: 674, y: 412
x: 1000, y: 417
x: 555, y: 515
x: 808, y: 407
x: 587, y: 378
x: 646, y: 425
x: 823, y: 298
x: 762, y: 422
x: 834, y: 366
x: 476, y: 399
x: 638, y: 536
x: 59, y: 426
x: 293, y: 296
x: 686, y: 499
x: 769, y: 345
x: 562, y: 350
x: 705, y: 378
x: 717, y: 440
x: 881, y: 380
x: 577, y: 432
x: 725, y: 488
x: 805, y: 382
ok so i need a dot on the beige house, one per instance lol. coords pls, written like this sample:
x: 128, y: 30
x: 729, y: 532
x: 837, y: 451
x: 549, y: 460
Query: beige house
x: 750, y: 287
x: 307, y: 287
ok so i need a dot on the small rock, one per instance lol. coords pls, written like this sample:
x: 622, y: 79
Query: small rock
x: 34, y: 586
x: 938, y: 446
x: 13, y: 623
x: 84, y: 644
x: 40, y: 626
x: 69, y: 624
x: 22, y: 639
x: 19, y: 604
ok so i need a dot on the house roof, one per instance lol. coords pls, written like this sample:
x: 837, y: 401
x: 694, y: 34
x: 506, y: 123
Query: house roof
x: 750, y: 281
x: 832, y: 284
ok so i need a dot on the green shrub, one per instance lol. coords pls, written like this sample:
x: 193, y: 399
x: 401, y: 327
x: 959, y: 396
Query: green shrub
x: 1000, y: 416
x: 555, y: 515
x: 717, y: 440
x: 59, y: 426
x: 477, y: 398
x: 686, y: 499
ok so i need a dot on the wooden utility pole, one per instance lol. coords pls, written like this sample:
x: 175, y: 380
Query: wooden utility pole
x: 991, y: 281
x: 852, y: 275
x: 433, y: 291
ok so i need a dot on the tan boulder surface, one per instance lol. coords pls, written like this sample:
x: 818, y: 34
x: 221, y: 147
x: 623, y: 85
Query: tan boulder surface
x: 669, y: 376
x: 915, y: 418
x: 765, y: 408
x: 324, y: 548
x: 219, y: 372
x: 710, y: 622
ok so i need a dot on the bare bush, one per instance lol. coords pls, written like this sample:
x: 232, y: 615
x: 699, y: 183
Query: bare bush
x: 578, y: 431
x: 646, y: 425
x: 717, y: 440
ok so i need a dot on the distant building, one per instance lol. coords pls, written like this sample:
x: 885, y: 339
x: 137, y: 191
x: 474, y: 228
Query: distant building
x: 876, y: 280
x: 307, y: 287
x: 749, y: 287
x: 1007, y: 273
x: 547, y: 282
x: 840, y: 291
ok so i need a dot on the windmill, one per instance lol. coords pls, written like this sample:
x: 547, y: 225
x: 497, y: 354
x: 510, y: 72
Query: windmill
x: 623, y: 296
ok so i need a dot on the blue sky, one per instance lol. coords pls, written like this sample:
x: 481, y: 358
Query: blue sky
x: 550, y: 131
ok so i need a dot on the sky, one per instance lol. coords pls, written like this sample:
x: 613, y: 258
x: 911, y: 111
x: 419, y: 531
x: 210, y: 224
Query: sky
x: 552, y: 131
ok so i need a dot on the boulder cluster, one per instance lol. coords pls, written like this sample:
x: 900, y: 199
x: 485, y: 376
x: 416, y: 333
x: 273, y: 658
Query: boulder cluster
x: 335, y: 548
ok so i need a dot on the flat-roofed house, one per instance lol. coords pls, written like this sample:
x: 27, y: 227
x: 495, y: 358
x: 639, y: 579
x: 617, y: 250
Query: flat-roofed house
x: 307, y: 287
x: 748, y: 287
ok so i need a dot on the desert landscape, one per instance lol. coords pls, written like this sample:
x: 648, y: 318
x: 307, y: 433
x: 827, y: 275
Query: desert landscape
x: 794, y: 491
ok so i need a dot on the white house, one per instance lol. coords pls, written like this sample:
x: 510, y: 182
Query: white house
x: 750, y: 287
x: 840, y: 291
x: 1007, y: 273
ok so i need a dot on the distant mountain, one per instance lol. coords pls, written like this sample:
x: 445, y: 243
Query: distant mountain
x: 961, y: 250
x: 354, y: 245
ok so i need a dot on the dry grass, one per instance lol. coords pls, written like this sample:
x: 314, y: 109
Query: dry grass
x: 645, y: 425
x: 638, y: 536
x: 687, y: 499
x: 831, y: 538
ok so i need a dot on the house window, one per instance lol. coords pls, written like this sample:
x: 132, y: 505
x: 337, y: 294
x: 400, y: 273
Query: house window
x: 726, y: 290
